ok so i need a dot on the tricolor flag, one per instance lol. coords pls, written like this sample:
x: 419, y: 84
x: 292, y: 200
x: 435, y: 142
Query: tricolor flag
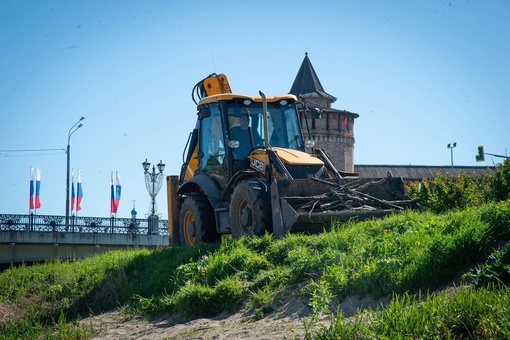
x: 115, y: 192
x: 31, y: 188
x: 73, y: 196
x: 37, y: 188
x: 80, y: 192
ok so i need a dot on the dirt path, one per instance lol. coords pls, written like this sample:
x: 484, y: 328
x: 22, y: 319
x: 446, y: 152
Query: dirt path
x: 115, y: 326
x: 285, y: 323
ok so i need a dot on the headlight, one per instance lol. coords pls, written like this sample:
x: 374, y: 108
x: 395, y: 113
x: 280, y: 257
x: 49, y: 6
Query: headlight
x: 309, y: 143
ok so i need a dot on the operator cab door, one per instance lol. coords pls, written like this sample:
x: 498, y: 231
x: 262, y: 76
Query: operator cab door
x: 212, y: 145
x: 245, y: 133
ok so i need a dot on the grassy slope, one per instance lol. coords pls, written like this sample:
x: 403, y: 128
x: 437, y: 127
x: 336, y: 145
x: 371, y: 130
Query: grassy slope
x: 398, y: 256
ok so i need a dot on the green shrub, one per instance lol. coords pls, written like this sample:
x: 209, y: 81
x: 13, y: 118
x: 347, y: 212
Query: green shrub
x: 447, y: 192
x: 501, y: 181
x: 497, y: 216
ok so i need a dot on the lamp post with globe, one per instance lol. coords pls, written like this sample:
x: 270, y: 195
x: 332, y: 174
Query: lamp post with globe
x: 153, y: 182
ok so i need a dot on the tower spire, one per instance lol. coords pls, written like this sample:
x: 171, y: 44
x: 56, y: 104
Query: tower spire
x: 307, y: 83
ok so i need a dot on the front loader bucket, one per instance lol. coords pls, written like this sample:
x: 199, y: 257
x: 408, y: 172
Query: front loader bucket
x: 311, y: 205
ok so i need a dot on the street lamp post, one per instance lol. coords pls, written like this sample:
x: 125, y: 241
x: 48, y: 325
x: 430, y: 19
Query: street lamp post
x: 153, y: 183
x: 451, y: 146
x: 69, y: 134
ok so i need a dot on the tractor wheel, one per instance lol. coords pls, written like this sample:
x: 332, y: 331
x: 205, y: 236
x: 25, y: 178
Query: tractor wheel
x: 196, y: 223
x: 250, y: 209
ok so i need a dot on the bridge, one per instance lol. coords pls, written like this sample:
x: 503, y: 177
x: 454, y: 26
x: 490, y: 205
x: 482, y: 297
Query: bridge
x: 26, y: 238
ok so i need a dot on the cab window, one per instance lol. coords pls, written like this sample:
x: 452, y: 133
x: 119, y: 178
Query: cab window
x: 212, y: 144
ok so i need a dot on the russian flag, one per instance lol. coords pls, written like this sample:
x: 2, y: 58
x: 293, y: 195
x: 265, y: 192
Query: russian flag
x: 80, y: 192
x: 31, y: 188
x: 37, y: 188
x: 72, y: 190
x: 115, y: 192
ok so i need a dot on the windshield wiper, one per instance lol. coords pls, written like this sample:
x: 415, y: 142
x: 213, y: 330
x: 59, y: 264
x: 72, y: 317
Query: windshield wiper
x: 292, y: 141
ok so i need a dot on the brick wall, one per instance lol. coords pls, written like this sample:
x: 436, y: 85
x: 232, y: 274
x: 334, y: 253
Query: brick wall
x: 333, y: 131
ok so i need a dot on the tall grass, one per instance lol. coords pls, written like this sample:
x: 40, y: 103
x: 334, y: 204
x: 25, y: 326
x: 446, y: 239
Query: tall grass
x: 465, y: 313
x: 399, y: 256
x: 49, y: 297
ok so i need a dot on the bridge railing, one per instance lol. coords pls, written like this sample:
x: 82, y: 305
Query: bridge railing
x: 111, y: 225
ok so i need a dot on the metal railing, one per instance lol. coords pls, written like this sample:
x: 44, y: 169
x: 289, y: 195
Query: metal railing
x: 78, y: 224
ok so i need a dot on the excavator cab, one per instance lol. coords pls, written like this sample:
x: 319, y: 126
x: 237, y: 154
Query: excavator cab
x: 235, y: 126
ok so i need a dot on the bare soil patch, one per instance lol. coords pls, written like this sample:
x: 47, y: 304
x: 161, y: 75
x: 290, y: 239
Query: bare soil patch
x: 286, y: 322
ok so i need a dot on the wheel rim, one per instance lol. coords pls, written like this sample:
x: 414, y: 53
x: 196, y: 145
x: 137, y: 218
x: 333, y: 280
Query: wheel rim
x: 243, y: 217
x: 189, y: 228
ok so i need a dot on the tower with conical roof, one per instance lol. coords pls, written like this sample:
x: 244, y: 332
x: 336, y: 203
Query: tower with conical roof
x: 331, y: 129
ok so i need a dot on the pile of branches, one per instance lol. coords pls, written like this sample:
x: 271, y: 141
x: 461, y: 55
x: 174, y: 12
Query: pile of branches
x: 347, y: 197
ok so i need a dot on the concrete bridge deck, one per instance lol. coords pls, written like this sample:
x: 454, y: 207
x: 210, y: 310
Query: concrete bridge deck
x: 25, y: 238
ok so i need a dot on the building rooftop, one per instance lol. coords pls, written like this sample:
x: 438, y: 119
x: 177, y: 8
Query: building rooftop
x: 416, y: 172
x: 307, y: 84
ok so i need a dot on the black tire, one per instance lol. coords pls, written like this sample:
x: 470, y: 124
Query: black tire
x: 250, y: 209
x: 196, y: 222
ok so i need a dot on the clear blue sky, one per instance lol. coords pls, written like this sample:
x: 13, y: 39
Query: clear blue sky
x: 421, y: 74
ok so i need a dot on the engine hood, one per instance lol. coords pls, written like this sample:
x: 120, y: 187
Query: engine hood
x: 296, y: 157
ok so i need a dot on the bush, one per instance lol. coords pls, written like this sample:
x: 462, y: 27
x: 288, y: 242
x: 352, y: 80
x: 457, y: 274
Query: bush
x: 501, y: 181
x: 449, y: 192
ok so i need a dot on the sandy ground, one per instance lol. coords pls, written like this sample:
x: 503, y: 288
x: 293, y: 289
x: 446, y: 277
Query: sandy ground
x: 115, y: 326
x: 284, y: 323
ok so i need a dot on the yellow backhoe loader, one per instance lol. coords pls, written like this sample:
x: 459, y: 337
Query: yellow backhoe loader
x: 247, y: 170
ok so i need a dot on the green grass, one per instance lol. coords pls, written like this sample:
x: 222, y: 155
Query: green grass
x: 458, y: 314
x: 399, y: 256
